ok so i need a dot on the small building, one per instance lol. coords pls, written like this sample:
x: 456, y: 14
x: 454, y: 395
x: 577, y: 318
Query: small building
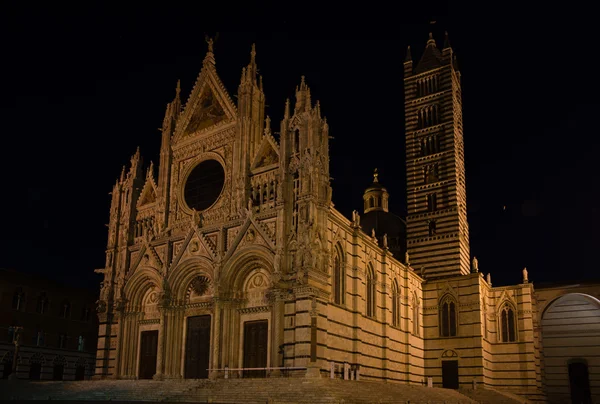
x: 56, y: 328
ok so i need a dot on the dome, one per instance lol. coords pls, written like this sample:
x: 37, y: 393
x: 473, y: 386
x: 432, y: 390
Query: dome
x: 386, y: 223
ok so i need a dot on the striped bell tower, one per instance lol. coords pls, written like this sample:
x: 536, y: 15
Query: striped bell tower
x: 437, y: 229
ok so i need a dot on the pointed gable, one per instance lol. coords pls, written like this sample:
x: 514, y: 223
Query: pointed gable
x: 209, y: 104
x: 432, y: 57
x: 148, y: 195
x: 267, y: 153
x: 207, y: 112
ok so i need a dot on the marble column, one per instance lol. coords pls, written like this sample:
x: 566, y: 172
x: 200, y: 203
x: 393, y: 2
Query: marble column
x: 216, y: 340
x: 160, y: 349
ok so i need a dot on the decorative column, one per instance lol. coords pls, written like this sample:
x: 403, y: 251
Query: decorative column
x: 216, y: 339
x: 278, y: 301
x: 160, y: 351
x: 226, y: 334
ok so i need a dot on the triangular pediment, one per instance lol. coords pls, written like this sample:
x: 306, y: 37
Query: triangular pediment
x: 148, y: 194
x: 146, y: 257
x: 267, y: 154
x: 208, y: 106
x: 250, y: 233
x: 195, y: 244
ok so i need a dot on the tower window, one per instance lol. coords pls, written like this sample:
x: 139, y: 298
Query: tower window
x: 448, y: 318
x: 432, y: 228
x: 429, y: 145
x: 432, y: 202
x: 431, y: 173
x: 427, y: 85
x: 507, y: 324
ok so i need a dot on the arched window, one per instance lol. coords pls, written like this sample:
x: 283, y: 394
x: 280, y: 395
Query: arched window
x: 415, y: 312
x: 507, y: 324
x: 338, y: 277
x: 81, y: 343
x: 395, y: 304
x: 65, y: 309
x: 18, y: 299
x: 432, y: 228
x: 371, y: 292
x: 297, y: 141
x: 448, y: 317
x: 42, y: 304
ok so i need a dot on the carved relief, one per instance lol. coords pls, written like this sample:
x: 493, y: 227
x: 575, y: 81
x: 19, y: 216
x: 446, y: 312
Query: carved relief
x: 208, y: 112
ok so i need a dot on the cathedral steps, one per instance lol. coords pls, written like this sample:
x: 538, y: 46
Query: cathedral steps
x: 274, y: 391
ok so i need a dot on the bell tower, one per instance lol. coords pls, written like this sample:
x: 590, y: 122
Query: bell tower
x: 437, y: 228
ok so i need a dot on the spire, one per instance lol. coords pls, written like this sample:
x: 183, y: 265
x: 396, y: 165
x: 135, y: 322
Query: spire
x: 432, y: 57
x: 408, y: 57
x: 286, y: 113
x: 303, y: 102
x: 177, y: 100
x: 267, y: 126
x: 431, y: 41
x: 446, y: 40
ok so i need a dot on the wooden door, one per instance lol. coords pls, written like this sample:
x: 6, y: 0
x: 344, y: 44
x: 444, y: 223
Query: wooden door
x: 579, y: 382
x: 80, y: 372
x: 149, y: 346
x: 255, y: 347
x: 7, y: 370
x: 35, y: 371
x: 58, y: 371
x: 450, y: 374
x: 197, y: 347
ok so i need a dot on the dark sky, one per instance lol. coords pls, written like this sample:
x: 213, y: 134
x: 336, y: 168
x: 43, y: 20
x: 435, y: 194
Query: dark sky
x: 82, y: 87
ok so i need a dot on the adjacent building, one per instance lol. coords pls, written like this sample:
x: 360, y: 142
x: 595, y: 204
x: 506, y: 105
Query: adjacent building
x: 52, y: 327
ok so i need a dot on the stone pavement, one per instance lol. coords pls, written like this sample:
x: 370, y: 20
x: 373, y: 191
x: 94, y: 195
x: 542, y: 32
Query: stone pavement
x: 242, y: 391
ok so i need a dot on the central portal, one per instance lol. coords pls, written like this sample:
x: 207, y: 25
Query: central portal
x: 197, y: 347
x: 255, y: 347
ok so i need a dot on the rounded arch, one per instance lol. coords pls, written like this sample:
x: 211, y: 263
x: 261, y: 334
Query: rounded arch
x: 138, y: 284
x: 37, y: 358
x: 370, y: 272
x: 338, y: 272
x: 185, y: 272
x: 561, y: 294
x: 244, y: 261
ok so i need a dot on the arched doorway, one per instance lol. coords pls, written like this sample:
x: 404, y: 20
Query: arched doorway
x: 570, y: 329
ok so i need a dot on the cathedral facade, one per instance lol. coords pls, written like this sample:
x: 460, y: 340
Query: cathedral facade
x: 233, y: 256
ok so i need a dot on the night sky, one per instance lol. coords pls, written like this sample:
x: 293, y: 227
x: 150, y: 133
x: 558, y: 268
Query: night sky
x: 82, y: 87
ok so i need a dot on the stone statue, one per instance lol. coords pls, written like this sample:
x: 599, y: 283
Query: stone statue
x: 525, y: 276
x: 373, y: 232
x: 474, y: 265
x: 385, y: 241
x: 406, y: 258
x: 355, y: 218
x: 488, y: 278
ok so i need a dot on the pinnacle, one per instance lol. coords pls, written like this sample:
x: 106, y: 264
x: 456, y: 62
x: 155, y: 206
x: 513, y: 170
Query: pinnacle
x: 431, y: 41
x: 446, y: 40
x: 408, y: 55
